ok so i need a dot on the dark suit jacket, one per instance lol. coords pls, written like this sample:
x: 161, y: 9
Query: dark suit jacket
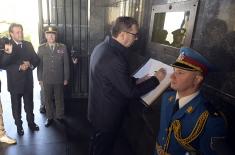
x: 20, y: 81
x: 111, y: 86
x: 4, y: 59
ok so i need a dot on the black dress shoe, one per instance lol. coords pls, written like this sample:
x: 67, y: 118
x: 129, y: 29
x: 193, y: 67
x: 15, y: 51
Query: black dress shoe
x: 48, y: 122
x: 20, y: 131
x: 34, y: 127
x: 42, y: 109
x: 61, y: 120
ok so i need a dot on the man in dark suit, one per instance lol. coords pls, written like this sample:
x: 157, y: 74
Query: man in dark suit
x: 111, y: 86
x: 19, y: 66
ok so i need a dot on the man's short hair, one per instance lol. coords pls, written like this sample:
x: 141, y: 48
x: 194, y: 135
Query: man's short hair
x: 14, y: 25
x: 122, y: 24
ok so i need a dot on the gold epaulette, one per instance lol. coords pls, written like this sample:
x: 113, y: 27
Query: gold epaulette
x: 185, y: 142
x: 60, y: 44
x: 160, y: 150
x: 198, y: 128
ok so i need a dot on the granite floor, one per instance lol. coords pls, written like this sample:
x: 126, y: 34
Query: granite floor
x: 58, y: 139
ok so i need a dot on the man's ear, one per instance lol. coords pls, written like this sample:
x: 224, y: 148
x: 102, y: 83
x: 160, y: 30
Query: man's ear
x: 121, y: 34
x: 121, y: 38
x: 199, y: 79
x: 11, y: 34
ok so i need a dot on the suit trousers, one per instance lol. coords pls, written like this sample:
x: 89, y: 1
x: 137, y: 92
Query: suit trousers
x: 42, y: 96
x: 28, y: 107
x: 102, y: 143
x: 2, y: 129
x: 54, y: 109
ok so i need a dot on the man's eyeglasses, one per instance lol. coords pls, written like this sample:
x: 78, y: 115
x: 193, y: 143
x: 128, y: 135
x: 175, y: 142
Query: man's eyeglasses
x: 134, y: 34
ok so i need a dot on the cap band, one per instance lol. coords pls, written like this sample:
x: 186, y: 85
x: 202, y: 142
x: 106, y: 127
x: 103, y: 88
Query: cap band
x: 192, y: 63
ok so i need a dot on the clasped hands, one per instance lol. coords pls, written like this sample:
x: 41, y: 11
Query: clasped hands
x: 25, y: 65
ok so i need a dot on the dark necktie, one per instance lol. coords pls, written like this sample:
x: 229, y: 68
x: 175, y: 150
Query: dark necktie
x: 176, y: 106
x: 20, y: 45
x: 52, y: 47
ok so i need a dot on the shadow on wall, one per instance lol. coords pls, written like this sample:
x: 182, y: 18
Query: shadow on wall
x: 219, y: 46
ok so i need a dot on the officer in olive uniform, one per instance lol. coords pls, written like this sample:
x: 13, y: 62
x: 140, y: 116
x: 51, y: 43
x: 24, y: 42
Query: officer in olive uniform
x: 188, y: 122
x: 178, y: 37
x: 53, y: 74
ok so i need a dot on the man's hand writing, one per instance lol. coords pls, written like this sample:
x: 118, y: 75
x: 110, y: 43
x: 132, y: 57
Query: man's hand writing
x: 24, y: 67
x: 160, y: 74
x: 140, y: 80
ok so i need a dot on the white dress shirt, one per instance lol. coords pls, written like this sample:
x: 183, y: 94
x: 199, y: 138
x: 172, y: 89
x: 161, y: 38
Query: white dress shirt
x: 184, y: 100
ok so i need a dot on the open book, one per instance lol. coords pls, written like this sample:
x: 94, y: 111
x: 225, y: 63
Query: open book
x: 149, y: 68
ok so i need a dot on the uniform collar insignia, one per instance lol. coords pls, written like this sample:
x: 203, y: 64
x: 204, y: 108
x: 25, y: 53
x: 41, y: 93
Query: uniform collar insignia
x: 171, y: 98
x: 56, y: 44
x: 189, y: 109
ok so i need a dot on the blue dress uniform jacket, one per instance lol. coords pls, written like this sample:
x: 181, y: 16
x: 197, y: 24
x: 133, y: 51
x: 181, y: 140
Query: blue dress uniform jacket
x: 188, y: 116
x: 111, y: 85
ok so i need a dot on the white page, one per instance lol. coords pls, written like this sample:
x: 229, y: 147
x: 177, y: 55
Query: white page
x: 144, y: 70
x: 149, y: 68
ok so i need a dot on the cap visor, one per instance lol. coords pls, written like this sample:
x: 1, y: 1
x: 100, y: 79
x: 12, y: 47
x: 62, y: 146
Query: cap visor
x: 50, y: 31
x: 183, y: 66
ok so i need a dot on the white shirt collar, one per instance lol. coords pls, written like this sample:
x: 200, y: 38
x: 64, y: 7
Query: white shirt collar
x: 17, y: 43
x: 52, y: 44
x: 184, y: 100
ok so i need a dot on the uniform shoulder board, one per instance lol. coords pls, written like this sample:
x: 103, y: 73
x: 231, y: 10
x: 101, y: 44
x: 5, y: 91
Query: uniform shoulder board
x: 61, y: 45
x: 213, y: 111
x: 42, y: 45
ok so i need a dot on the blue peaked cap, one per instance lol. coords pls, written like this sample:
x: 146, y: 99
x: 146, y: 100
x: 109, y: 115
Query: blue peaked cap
x: 189, y: 59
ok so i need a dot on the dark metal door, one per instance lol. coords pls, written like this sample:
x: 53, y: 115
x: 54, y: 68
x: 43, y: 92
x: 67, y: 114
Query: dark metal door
x: 71, y: 19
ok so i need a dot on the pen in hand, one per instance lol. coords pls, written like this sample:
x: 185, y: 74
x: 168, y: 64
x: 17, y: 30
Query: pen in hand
x: 160, y: 74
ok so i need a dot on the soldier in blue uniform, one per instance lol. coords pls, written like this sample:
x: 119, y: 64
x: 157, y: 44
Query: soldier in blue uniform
x: 188, y: 122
